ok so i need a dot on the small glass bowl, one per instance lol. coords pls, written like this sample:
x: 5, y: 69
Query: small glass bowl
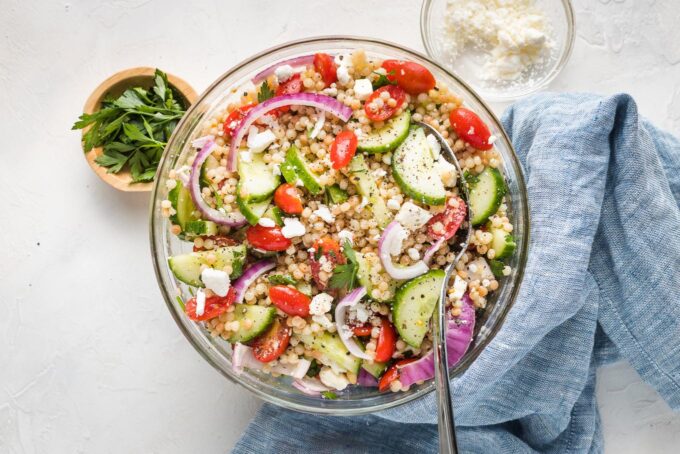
x: 468, y: 65
x: 278, y: 390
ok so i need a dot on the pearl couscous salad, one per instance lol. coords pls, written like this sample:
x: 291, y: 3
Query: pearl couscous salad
x: 322, y: 217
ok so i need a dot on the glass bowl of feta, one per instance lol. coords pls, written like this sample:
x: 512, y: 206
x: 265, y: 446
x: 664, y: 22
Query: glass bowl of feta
x: 504, y: 50
x: 196, y: 244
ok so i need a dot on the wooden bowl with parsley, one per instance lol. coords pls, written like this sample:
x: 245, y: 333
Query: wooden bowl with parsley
x: 127, y: 121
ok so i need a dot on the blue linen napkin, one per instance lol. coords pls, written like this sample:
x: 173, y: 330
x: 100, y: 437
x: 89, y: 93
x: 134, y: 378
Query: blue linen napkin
x: 602, y: 283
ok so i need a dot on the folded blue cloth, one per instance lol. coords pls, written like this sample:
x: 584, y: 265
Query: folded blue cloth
x: 602, y: 283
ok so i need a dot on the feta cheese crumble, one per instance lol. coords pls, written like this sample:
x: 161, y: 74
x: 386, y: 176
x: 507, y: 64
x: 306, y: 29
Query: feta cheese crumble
x: 362, y: 89
x: 459, y: 287
x: 283, y: 73
x: 200, y: 302
x: 320, y: 304
x: 216, y: 280
x: 343, y: 75
x: 324, y: 213
x: 259, y: 141
x: 412, y: 217
x: 319, y: 124
x: 266, y: 222
x: 292, y: 227
x: 345, y: 235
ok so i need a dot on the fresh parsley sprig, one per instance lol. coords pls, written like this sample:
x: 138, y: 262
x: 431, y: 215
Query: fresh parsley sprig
x: 383, y: 80
x: 345, y: 276
x: 134, y: 128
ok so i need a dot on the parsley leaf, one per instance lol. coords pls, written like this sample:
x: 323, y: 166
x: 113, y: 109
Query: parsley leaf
x: 383, y: 80
x: 281, y: 279
x: 329, y: 395
x: 470, y: 179
x: 314, y: 369
x: 345, y: 276
x: 265, y: 92
x: 496, y: 267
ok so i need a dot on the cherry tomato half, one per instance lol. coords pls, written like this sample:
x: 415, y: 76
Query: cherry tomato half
x: 378, y: 108
x: 270, y: 345
x: 290, y: 300
x: 289, y: 87
x: 214, y: 306
x: 391, y: 374
x: 234, y: 119
x: 343, y: 149
x: 470, y: 128
x: 387, y: 341
x: 267, y: 238
x: 325, y: 65
x: 412, y: 77
x: 446, y: 224
x: 325, y: 249
x: 288, y: 198
x: 363, y: 330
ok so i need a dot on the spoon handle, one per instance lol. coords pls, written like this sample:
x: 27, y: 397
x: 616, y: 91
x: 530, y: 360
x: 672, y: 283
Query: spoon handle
x: 446, y: 426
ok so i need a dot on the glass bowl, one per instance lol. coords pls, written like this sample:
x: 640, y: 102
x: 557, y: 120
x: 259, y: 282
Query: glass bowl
x: 468, y: 65
x: 217, y: 351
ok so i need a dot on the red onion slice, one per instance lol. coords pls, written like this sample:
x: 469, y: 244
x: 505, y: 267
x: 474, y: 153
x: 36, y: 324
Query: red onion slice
x: 303, y: 60
x: 310, y: 386
x: 242, y: 356
x: 458, y: 337
x: 429, y: 253
x: 366, y: 379
x: 346, y: 335
x: 249, y: 276
x: 389, y: 236
x: 233, y: 219
x: 322, y: 102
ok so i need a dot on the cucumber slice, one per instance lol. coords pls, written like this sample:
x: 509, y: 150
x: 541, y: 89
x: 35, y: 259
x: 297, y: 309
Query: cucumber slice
x: 366, y: 274
x: 486, y: 194
x: 185, y: 211
x: 414, y: 171
x: 297, y: 161
x: 376, y: 369
x: 288, y: 172
x: 256, y: 180
x: 187, y: 267
x: 362, y: 178
x: 388, y: 137
x: 200, y: 227
x: 502, y: 243
x: 333, y: 351
x: 261, y: 316
x: 337, y: 194
x: 413, y: 306
x: 274, y: 213
x: 252, y: 211
x: 211, y: 162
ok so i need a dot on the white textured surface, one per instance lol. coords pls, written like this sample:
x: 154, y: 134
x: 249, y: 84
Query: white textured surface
x: 90, y: 361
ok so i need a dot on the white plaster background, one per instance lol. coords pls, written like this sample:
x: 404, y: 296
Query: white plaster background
x: 90, y: 360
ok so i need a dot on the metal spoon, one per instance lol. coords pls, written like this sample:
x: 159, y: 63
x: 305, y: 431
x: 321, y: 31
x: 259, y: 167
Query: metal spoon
x: 446, y: 424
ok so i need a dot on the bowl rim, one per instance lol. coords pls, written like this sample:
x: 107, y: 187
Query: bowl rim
x: 122, y: 180
x: 556, y: 70
x: 430, y: 387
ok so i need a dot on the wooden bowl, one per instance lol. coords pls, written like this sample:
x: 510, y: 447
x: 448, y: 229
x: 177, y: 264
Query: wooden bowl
x: 115, y: 86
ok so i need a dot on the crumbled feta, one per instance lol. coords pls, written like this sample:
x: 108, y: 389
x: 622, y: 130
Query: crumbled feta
x: 283, y: 73
x: 299, y: 183
x: 362, y: 89
x: 397, y: 244
x: 412, y: 217
x: 478, y: 270
x: 362, y: 205
x: 362, y: 313
x: 342, y: 60
x: 393, y: 204
x: 292, y: 227
x: 435, y: 146
x: 276, y: 169
x: 200, y: 302
x: 343, y: 75
x: 324, y: 213
x: 459, y: 287
x: 413, y: 253
x: 319, y: 124
x: 379, y: 173
x: 245, y: 156
x: 447, y: 172
x: 266, y: 222
x: 269, y: 120
x: 492, y: 139
x: 216, y: 280
x: 346, y: 235
x: 323, y: 321
x: 259, y: 141
x: 333, y: 379
x: 320, y: 304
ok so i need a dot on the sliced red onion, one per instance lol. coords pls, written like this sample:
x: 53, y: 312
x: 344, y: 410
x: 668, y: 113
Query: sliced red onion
x: 303, y: 60
x: 323, y: 102
x: 458, y: 337
x: 346, y: 335
x: 385, y: 245
x: 249, y: 276
x: 310, y: 386
x: 366, y: 379
x: 201, y: 141
x: 232, y: 219
x: 242, y: 356
x: 427, y: 256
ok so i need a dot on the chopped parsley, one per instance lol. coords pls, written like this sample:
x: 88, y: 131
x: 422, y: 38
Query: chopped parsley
x: 265, y: 92
x: 281, y: 279
x: 496, y: 267
x: 329, y: 395
x: 382, y: 80
x: 345, y: 276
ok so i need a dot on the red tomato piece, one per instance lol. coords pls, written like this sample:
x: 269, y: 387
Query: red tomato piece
x: 412, y: 77
x: 289, y: 87
x: 214, y: 306
x: 288, y: 198
x: 391, y: 374
x: 234, y: 119
x: 325, y: 249
x: 270, y: 345
x: 387, y: 342
x: 267, y: 238
x: 446, y: 224
x: 343, y: 149
x: 378, y: 109
x: 362, y: 331
x: 470, y: 128
x: 325, y: 65
x: 290, y: 300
